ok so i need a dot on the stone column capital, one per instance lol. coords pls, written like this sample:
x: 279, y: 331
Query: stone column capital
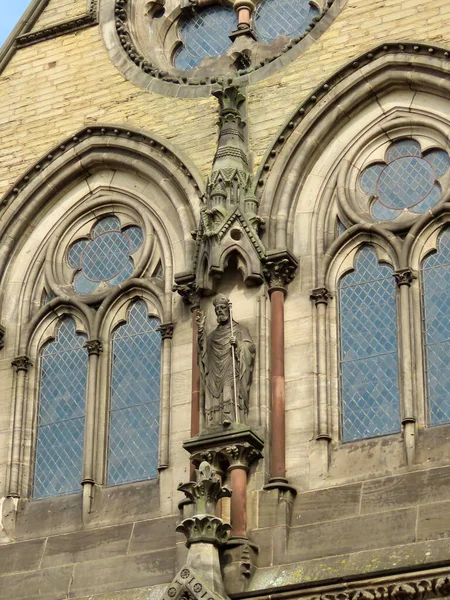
x: 279, y: 269
x: 320, y: 296
x: 240, y: 455
x: 404, y: 277
x: 166, y: 331
x: 21, y: 363
x: 94, y: 347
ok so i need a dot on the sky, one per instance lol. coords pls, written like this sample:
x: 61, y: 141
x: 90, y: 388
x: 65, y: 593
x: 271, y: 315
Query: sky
x: 11, y: 11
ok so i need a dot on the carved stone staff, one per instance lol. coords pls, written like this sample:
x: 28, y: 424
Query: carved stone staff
x: 233, y: 358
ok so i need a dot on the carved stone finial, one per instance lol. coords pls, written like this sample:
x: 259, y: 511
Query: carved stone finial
x: 206, y: 491
x: 21, y: 363
x: 230, y: 98
x: 204, y: 526
x: 166, y: 331
x: 279, y: 269
x: 404, y: 277
x: 94, y: 347
x: 320, y: 296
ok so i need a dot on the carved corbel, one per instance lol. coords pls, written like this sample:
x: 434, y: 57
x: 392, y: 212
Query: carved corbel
x: 166, y: 330
x: 186, y: 286
x: 280, y: 267
x: 321, y: 296
x: 21, y: 363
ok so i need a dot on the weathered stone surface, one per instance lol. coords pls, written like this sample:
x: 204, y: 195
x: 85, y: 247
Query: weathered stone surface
x: 87, y: 545
x: 123, y: 572
x: 433, y: 521
x: 24, y: 556
x: 125, y: 503
x: 45, y: 584
x: 326, y: 505
x: 400, y: 491
x: 154, y: 535
x: 349, y: 535
x: 48, y: 516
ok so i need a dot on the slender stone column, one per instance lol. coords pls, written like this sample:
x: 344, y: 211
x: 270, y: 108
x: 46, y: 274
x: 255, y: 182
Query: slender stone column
x: 404, y: 279
x: 166, y: 330
x: 21, y: 364
x: 279, y: 270
x: 94, y: 348
x: 321, y: 296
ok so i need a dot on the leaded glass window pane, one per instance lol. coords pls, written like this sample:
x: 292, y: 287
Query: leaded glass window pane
x: 368, y: 350
x: 135, y: 398
x: 62, y: 401
x: 436, y: 302
x: 283, y: 17
x: 205, y: 34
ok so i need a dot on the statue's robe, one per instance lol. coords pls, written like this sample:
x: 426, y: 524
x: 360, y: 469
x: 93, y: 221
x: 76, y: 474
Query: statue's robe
x: 217, y: 370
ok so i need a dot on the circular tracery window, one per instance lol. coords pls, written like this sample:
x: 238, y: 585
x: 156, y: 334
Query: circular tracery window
x: 106, y: 257
x: 408, y: 180
x: 198, y: 42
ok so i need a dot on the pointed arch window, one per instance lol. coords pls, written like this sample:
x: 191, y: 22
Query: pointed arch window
x: 61, y: 419
x: 436, y: 311
x: 368, y: 349
x: 135, y: 398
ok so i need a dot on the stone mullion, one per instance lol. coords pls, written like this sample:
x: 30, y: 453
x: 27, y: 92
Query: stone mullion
x: 404, y: 279
x: 94, y: 348
x: 166, y: 330
x: 21, y: 365
x: 321, y: 296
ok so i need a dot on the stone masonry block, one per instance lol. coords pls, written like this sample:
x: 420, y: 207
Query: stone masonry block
x: 45, y: 584
x: 24, y: 556
x: 154, y: 535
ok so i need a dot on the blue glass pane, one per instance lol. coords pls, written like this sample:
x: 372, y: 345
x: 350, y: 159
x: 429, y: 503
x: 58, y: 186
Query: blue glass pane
x: 83, y: 285
x: 403, y: 148
x: 405, y: 182
x: 74, y: 255
x: 436, y: 292
x: 433, y: 198
x: 62, y: 399
x: 283, y: 17
x: 105, y: 256
x: 369, y: 362
x: 205, y: 34
x: 135, y: 398
x: 369, y: 178
x: 440, y: 161
x: 126, y: 272
x: 105, y: 225
x: 383, y: 213
x: 136, y: 237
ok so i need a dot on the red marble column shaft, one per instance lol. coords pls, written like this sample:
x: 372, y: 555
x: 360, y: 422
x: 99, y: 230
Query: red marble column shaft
x: 278, y: 437
x: 239, y: 502
x: 195, y: 396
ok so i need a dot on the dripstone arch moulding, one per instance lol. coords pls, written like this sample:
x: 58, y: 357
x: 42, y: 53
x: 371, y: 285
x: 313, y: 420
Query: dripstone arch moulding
x: 129, y: 59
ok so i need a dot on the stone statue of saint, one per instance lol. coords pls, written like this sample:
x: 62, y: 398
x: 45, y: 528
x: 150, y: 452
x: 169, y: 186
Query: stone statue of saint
x: 226, y: 359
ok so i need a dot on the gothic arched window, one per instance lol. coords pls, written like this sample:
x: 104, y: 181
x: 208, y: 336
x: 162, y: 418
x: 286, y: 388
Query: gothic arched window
x: 436, y: 307
x: 62, y: 406
x: 135, y: 394
x: 368, y: 349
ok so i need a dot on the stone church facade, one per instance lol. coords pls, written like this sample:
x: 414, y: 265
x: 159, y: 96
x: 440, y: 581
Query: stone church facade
x: 224, y: 306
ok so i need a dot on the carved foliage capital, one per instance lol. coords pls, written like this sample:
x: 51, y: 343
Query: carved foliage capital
x: 279, y: 269
x: 205, y: 529
x: 404, y: 277
x: 94, y: 347
x: 21, y: 363
x: 240, y: 455
x: 206, y: 491
x: 320, y: 296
